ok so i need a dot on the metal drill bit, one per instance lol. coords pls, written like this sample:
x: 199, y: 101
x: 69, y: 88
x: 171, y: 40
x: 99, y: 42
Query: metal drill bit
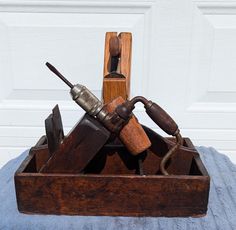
x: 54, y: 70
x: 82, y: 96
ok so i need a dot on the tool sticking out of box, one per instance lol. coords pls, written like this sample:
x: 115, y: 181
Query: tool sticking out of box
x: 110, y: 164
x: 115, y: 122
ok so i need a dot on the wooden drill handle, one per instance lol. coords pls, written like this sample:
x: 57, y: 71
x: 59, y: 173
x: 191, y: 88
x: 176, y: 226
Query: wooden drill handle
x: 132, y: 135
x: 162, y: 118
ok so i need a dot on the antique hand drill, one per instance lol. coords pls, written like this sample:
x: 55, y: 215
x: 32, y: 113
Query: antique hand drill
x: 115, y: 121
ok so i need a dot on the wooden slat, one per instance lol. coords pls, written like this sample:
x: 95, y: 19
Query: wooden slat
x: 125, y: 58
x: 78, y: 148
x: 54, y: 130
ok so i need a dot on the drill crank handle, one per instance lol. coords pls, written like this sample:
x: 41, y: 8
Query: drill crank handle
x: 161, y: 118
x: 155, y: 112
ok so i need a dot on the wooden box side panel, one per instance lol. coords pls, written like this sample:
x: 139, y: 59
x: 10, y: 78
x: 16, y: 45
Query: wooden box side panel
x: 112, y: 195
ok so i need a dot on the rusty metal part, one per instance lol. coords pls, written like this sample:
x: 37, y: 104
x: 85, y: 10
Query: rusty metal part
x: 114, y: 122
x: 169, y: 154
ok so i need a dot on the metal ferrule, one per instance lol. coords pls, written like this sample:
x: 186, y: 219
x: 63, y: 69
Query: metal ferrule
x: 86, y: 100
x: 102, y: 115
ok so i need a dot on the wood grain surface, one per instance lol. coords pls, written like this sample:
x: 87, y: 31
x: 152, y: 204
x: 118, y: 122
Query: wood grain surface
x: 113, y: 87
x: 132, y: 134
x: 115, y: 193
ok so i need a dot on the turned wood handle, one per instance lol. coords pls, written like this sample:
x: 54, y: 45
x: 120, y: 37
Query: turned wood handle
x: 161, y: 118
x: 132, y: 135
x: 114, y: 46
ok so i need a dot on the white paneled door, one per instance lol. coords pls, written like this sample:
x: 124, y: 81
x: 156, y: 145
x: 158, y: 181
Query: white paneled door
x: 184, y: 58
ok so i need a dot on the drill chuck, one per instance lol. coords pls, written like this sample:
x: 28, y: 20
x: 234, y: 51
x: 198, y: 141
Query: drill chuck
x: 86, y: 99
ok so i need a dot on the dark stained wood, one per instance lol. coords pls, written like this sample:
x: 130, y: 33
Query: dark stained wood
x: 116, y: 191
x: 115, y: 159
x: 118, y: 160
x: 54, y: 130
x: 78, y: 147
x: 122, y: 195
x: 162, y: 118
x: 42, y: 155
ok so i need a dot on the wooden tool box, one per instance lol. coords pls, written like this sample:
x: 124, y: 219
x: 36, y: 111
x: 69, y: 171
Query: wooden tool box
x: 114, y: 183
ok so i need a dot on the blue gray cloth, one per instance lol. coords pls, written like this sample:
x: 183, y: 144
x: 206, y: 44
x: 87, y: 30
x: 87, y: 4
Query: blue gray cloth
x: 221, y: 209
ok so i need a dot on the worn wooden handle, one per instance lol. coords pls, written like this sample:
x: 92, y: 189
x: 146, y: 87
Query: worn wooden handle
x: 132, y: 135
x: 114, y: 46
x: 161, y: 118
